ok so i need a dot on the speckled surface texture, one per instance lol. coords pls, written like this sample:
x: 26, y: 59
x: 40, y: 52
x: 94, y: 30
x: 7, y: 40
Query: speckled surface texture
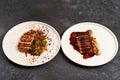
x: 61, y: 14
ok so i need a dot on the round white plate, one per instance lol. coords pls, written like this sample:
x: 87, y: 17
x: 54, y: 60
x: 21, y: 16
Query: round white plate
x: 108, y: 44
x: 12, y: 37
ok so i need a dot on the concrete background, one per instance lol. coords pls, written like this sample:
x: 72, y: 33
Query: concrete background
x: 61, y: 14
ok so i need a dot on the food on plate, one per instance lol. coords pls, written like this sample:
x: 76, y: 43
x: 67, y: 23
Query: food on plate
x: 85, y: 43
x: 33, y: 42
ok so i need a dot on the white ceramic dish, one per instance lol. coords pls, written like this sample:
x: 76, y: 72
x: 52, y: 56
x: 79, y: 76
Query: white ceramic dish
x: 12, y: 37
x: 108, y: 44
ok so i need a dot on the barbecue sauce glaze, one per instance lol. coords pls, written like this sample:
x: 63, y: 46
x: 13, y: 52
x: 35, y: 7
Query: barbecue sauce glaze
x: 73, y: 42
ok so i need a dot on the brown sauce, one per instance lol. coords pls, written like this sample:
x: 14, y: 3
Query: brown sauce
x: 73, y: 42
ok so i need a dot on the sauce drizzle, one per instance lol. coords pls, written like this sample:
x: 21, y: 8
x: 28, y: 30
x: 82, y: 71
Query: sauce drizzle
x: 73, y: 42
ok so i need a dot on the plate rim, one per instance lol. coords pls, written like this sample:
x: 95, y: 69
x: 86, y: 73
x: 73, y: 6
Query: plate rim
x: 100, y: 25
x: 48, y: 25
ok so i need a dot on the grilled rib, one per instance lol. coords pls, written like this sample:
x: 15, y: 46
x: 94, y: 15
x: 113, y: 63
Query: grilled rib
x: 26, y: 40
x: 87, y: 44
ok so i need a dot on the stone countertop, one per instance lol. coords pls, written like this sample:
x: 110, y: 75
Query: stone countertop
x: 61, y: 14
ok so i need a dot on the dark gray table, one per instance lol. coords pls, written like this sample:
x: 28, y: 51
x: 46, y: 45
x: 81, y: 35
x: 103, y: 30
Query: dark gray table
x: 61, y: 14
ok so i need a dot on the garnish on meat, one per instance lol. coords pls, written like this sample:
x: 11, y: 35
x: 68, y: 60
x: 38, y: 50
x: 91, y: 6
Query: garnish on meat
x: 85, y: 43
x: 33, y: 42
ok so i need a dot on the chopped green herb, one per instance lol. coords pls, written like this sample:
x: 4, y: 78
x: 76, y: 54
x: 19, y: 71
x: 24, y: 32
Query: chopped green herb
x: 30, y: 48
x: 26, y: 53
x: 43, y: 43
x: 44, y: 35
x: 36, y: 35
x: 36, y: 53
x: 37, y: 42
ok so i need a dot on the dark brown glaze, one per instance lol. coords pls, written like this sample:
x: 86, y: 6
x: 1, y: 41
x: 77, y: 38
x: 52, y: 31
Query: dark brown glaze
x: 83, y: 42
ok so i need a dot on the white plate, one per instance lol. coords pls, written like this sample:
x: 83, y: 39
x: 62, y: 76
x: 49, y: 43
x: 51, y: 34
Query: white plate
x: 108, y: 44
x: 12, y: 37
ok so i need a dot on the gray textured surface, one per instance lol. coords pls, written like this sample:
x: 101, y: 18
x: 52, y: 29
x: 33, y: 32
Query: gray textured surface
x: 61, y: 14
